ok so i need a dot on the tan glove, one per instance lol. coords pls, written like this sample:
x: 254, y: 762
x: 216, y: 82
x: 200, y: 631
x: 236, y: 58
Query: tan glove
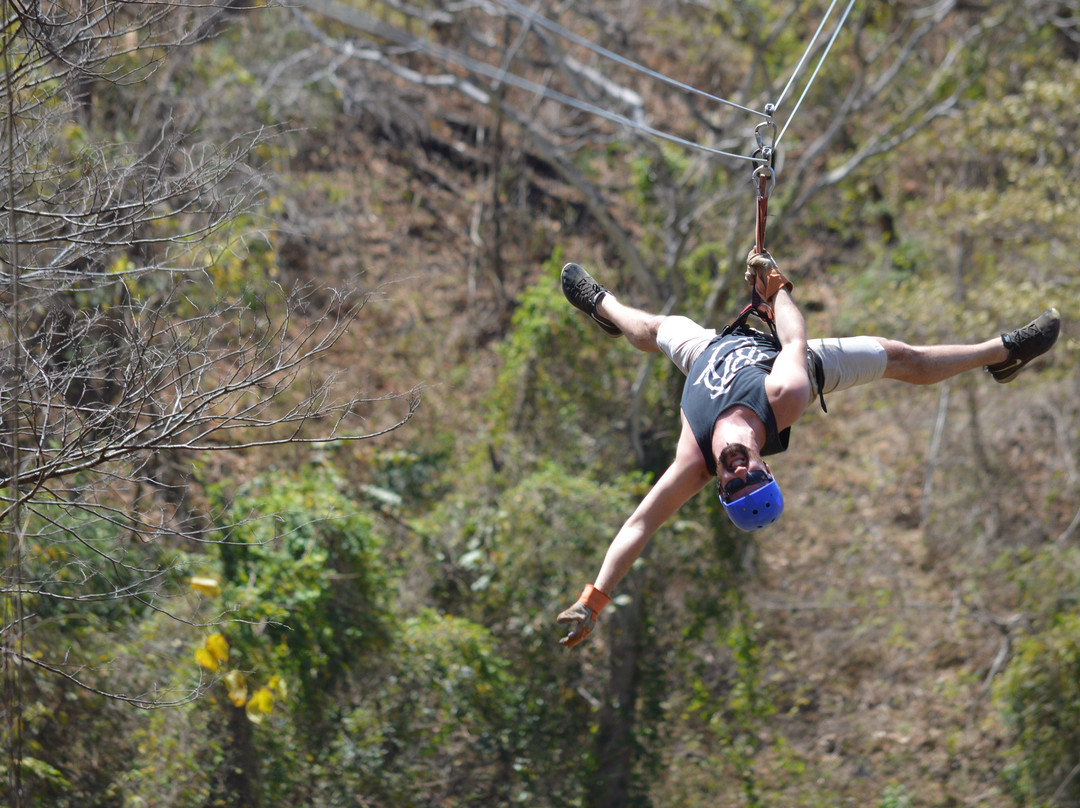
x: 763, y: 274
x: 583, y: 615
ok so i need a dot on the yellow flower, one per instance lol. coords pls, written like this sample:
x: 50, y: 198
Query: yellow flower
x: 217, y: 645
x: 209, y: 587
x: 277, y: 685
x: 206, y: 659
x: 238, y: 691
x: 260, y: 705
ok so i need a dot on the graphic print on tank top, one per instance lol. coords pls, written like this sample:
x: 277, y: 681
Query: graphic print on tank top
x: 727, y: 359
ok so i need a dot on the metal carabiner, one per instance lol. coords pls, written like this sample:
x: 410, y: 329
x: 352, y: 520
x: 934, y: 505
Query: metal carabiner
x: 759, y: 174
x: 757, y: 134
x: 766, y: 154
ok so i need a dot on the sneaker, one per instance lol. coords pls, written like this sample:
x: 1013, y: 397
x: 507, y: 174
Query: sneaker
x: 585, y: 293
x: 1024, y: 344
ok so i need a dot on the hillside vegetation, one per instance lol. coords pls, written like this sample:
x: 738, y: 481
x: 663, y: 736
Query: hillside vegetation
x: 369, y: 620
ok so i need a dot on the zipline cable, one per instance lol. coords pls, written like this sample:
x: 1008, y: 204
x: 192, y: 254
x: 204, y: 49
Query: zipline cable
x: 805, y: 56
x: 764, y: 175
x: 813, y: 76
x: 553, y: 95
x: 527, y: 13
x: 410, y: 42
x: 500, y: 75
x: 770, y: 109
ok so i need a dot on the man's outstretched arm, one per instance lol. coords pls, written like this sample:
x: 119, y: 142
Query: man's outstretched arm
x: 683, y: 478
x: 788, y: 385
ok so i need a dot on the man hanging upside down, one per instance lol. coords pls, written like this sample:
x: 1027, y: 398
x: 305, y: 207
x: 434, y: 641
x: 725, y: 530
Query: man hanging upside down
x: 743, y: 392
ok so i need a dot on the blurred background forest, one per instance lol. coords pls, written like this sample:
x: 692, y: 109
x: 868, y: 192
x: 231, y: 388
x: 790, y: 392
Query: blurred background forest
x: 304, y: 450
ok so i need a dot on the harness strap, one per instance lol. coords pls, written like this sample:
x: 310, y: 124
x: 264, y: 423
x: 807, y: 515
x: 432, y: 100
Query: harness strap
x: 819, y: 377
x: 764, y: 177
x: 755, y: 309
x: 762, y: 214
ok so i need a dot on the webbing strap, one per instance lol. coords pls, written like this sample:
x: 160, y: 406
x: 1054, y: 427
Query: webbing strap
x: 762, y: 215
x: 765, y: 178
x: 754, y: 309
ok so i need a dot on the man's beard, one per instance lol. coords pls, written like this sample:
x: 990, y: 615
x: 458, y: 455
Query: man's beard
x: 733, y: 449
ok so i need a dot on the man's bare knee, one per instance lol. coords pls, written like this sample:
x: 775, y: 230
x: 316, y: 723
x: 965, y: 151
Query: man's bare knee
x: 898, y: 358
x: 641, y: 333
x: 903, y: 362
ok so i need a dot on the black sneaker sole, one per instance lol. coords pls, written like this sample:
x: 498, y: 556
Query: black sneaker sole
x: 1004, y: 372
x: 571, y: 275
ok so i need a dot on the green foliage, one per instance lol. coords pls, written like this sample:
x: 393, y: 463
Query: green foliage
x: 747, y: 706
x: 438, y: 722
x: 701, y: 267
x: 307, y: 594
x: 896, y: 796
x: 93, y: 593
x: 87, y: 569
x: 52, y: 773
x: 446, y: 703
x: 35, y: 768
x: 729, y: 708
x: 174, y: 758
x: 455, y: 663
x: 1026, y: 156
x: 558, y: 371
x: 654, y: 172
x: 512, y: 559
x: 548, y: 530
x: 304, y: 577
x: 1038, y: 696
x: 409, y: 474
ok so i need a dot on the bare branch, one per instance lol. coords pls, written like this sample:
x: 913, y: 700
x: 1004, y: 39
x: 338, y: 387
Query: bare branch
x: 154, y: 700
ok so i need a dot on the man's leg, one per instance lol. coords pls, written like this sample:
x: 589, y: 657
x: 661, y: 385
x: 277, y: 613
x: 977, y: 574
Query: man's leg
x: 639, y: 327
x: 680, y: 338
x: 929, y: 364
x: 1002, y: 356
x: 582, y: 290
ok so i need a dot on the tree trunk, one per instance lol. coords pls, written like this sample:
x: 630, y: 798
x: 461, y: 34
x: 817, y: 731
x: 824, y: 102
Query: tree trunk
x: 237, y: 782
x: 612, y: 787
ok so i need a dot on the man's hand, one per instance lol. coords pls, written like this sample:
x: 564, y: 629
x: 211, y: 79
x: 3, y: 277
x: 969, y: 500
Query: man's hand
x: 584, y: 620
x: 751, y: 277
x: 583, y: 615
x: 764, y: 275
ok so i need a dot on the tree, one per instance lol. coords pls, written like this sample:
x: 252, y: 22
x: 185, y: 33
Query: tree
x: 141, y: 330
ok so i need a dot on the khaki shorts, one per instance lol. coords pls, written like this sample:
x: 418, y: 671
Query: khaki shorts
x: 845, y: 361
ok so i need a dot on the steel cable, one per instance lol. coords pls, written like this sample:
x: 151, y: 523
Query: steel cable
x: 501, y: 75
x: 805, y: 56
x: 559, y: 30
x: 821, y: 61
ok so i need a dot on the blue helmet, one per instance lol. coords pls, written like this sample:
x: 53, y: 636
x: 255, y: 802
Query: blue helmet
x: 757, y: 509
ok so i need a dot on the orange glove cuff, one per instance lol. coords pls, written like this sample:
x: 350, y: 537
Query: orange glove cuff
x: 774, y: 282
x: 594, y: 598
x: 762, y: 271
